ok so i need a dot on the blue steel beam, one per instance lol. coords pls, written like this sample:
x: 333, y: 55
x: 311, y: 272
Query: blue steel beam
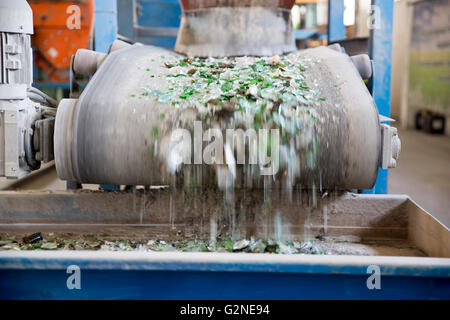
x: 380, y: 50
x: 126, y: 18
x: 105, y: 24
x: 336, y: 27
x: 159, y: 14
x: 105, y: 32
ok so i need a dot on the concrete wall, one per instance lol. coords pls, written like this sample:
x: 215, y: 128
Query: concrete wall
x: 427, y: 56
x: 401, y: 39
x: 429, y: 59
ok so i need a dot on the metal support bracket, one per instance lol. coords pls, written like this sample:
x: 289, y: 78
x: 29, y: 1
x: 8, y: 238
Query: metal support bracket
x: 11, y: 144
x: 391, y: 146
x: 44, y: 130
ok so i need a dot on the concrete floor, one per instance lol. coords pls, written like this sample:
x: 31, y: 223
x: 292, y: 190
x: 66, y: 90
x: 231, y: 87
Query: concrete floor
x: 423, y: 172
x: 43, y: 179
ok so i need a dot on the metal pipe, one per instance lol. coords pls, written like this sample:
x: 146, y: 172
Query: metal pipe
x: 86, y: 62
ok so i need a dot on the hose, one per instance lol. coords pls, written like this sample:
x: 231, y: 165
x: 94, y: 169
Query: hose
x: 40, y: 96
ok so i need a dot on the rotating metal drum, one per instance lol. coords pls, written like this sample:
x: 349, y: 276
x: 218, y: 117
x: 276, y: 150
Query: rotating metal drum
x: 119, y: 131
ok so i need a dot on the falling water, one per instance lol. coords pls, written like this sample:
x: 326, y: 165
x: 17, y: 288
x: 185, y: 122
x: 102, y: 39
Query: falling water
x: 296, y: 116
x: 314, y: 198
x: 171, y: 210
x: 141, y: 217
x: 212, y: 231
x: 133, y: 191
x: 306, y: 225
x: 278, y: 227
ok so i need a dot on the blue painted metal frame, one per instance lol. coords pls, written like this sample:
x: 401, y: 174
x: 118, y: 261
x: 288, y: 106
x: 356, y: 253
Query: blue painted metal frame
x: 125, y: 18
x: 151, y: 14
x: 336, y: 27
x: 31, y: 277
x: 303, y: 34
x: 159, y: 13
x: 105, y: 32
x: 142, y: 277
x: 380, y: 49
x: 105, y: 24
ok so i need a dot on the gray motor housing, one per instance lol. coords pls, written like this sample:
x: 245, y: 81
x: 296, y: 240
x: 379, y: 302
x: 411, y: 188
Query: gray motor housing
x: 21, y: 132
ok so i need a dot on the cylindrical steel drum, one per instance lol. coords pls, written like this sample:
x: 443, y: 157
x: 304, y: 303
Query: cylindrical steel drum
x: 119, y: 131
